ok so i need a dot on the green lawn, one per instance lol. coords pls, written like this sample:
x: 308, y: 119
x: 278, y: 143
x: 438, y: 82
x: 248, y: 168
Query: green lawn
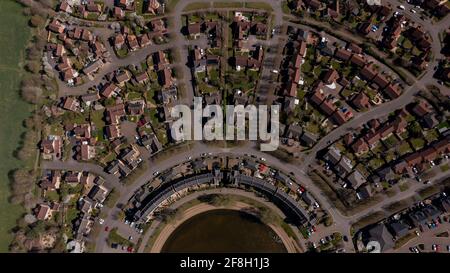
x: 197, y: 6
x: 14, y: 35
x: 115, y: 237
x: 227, y: 5
x: 258, y: 5
x: 418, y: 143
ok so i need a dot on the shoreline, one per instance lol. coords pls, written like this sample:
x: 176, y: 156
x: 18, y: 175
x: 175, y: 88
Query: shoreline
x: 168, y: 229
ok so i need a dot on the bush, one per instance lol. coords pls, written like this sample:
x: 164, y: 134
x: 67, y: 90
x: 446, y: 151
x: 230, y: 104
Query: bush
x: 33, y: 67
x: 37, y: 21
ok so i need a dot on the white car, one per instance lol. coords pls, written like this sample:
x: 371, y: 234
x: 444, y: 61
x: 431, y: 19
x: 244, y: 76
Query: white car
x: 155, y: 173
x: 101, y: 221
x: 189, y: 158
x: 275, y: 71
x: 401, y: 7
x: 263, y: 159
x: 413, y: 11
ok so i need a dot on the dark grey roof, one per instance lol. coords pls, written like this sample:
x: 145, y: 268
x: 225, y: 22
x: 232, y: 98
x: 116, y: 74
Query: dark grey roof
x: 430, y: 120
x: 399, y: 229
x: 418, y: 217
x: 309, y: 138
x: 294, y: 132
x: 380, y: 234
x: 333, y: 155
x: 356, y: 179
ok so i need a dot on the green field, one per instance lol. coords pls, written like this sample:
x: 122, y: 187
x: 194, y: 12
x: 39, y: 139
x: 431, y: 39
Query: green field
x: 14, y: 34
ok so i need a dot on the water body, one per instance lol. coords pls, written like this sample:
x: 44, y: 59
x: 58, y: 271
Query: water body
x: 219, y: 231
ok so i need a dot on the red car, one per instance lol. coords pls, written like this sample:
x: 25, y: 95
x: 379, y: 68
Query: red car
x: 106, y: 228
x: 130, y: 249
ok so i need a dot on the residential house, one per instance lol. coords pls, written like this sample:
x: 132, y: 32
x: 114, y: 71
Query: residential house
x: 378, y: 239
x: 115, y: 113
x: 51, y: 147
x: 43, y: 212
x: 98, y: 193
x: 113, y: 132
x: 71, y: 104
x: 356, y: 179
x: 110, y: 90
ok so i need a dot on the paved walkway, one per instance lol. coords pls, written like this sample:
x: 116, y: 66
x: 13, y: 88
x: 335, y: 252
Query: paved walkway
x: 290, y: 244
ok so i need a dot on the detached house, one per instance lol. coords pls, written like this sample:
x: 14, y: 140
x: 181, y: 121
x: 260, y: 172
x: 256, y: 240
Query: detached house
x: 43, y: 212
x: 51, y: 147
x: 56, y: 26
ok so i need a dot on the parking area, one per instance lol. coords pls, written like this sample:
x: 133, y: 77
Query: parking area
x: 434, y: 237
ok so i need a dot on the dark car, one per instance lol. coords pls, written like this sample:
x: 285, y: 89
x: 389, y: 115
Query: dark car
x: 114, y: 245
x: 345, y: 238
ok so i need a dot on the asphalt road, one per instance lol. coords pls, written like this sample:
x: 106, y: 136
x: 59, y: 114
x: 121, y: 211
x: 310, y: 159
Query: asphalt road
x: 342, y: 223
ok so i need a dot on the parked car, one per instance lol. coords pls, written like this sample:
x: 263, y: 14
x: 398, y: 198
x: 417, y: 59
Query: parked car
x: 435, y: 247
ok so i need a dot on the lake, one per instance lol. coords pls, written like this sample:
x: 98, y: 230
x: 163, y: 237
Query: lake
x: 221, y: 231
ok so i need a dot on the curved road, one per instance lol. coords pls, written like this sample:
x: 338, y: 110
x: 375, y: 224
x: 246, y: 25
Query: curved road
x: 342, y: 223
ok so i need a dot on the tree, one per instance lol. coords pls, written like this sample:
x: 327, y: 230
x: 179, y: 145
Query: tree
x: 415, y: 129
x: 327, y: 220
x: 31, y: 94
x: 33, y: 67
x: 267, y: 215
x: 37, y: 21
x: 219, y: 200
x: 47, y: 3
x: 140, y: 21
